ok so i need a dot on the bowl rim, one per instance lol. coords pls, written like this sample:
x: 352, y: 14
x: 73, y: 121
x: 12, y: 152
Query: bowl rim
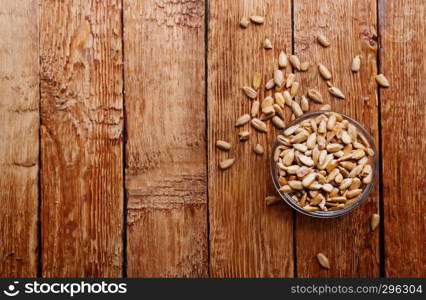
x: 320, y: 214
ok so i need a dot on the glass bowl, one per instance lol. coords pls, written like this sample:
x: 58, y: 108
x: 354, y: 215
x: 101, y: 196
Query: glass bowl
x: 325, y: 214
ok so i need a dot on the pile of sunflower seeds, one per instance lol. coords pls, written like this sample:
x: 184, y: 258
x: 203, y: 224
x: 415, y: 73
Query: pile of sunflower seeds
x: 324, y: 163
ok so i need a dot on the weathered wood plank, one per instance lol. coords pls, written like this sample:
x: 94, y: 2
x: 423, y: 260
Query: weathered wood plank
x: 19, y: 136
x: 352, y: 248
x: 166, y: 179
x: 81, y: 133
x: 403, y: 108
x: 247, y: 239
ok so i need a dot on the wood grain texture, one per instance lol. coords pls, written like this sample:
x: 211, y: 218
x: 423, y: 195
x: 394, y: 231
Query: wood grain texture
x: 403, y: 107
x: 82, y: 123
x: 247, y: 238
x: 166, y: 178
x: 19, y: 137
x: 352, y: 248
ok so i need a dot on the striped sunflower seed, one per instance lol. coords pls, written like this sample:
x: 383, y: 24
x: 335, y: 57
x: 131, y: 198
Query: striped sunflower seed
x: 244, y: 119
x: 323, y: 260
x: 282, y: 60
x: 250, y: 92
x: 257, y: 79
x: 295, y: 62
x: 257, y: 19
x: 315, y: 96
x: 223, y: 145
x: 259, y: 125
x: 324, y: 72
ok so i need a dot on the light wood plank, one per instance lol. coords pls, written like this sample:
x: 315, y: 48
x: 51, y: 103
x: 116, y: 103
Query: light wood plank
x: 19, y: 137
x: 352, y: 248
x: 82, y: 123
x: 403, y: 39
x: 166, y: 179
x: 247, y: 239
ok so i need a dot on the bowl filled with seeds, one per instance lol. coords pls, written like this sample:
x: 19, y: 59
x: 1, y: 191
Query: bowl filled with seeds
x: 324, y: 164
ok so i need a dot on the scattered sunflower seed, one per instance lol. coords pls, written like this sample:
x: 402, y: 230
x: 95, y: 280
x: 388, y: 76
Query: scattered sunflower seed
x: 282, y: 60
x: 325, y: 73
x: 297, y: 110
x: 323, y: 261
x: 257, y: 79
x: 314, y: 95
x: 267, y: 44
x: 257, y: 19
x: 244, y: 23
x: 227, y: 163
x: 356, y: 64
x: 270, y: 84
x: 278, y: 78
x: 304, y: 66
x: 272, y: 200
x: 259, y: 125
x: 244, y: 119
x: 258, y: 149
x: 304, y: 104
x: 278, y: 122
x: 244, y: 135
x: 294, y: 88
x: 255, y: 108
x: 336, y: 92
x: 223, y: 145
x: 382, y: 80
x: 250, y: 92
x: 295, y: 62
x: 322, y: 39
x: 290, y: 80
x: 325, y: 107
x: 375, y: 220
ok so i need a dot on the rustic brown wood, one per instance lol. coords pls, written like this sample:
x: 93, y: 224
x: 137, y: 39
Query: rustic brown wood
x: 403, y: 107
x: 352, y: 248
x: 166, y: 179
x: 19, y: 137
x: 247, y: 239
x: 82, y: 122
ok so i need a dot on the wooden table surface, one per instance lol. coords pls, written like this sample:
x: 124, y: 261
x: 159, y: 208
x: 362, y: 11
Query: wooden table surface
x: 109, y: 115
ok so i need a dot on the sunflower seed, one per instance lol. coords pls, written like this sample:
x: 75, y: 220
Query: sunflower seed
x: 244, y: 135
x: 336, y: 92
x: 268, y: 111
x: 306, y: 160
x: 309, y: 208
x: 257, y: 19
x: 295, y: 184
x: 356, y: 64
x: 250, y: 92
x: 294, y: 89
x: 244, y: 119
x: 382, y: 80
x: 290, y: 80
x: 258, y: 149
x: 297, y: 110
x: 325, y: 73
x: 278, y: 111
x: 257, y: 79
x: 322, y: 39
x: 304, y: 104
x: 244, y: 23
x: 315, y: 96
x: 309, y: 179
x: 345, y: 184
x: 282, y: 60
x: 346, y: 139
x: 222, y: 145
x: 375, y: 220
x: 268, y: 101
x: 272, y: 200
x: 267, y: 44
x: 355, y: 171
x: 270, y: 84
x: 278, y: 78
x: 300, y: 137
x: 325, y: 107
x: 255, y: 108
x: 259, y: 125
x: 227, y: 163
x: 288, y: 158
x: 278, y: 122
x: 304, y: 66
x: 287, y: 98
x: 323, y: 261
x: 334, y: 147
x: 295, y: 62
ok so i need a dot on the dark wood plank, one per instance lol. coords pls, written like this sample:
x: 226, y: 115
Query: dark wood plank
x: 247, y: 239
x: 82, y: 123
x: 19, y: 137
x: 403, y: 107
x: 166, y: 180
x: 348, y: 242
